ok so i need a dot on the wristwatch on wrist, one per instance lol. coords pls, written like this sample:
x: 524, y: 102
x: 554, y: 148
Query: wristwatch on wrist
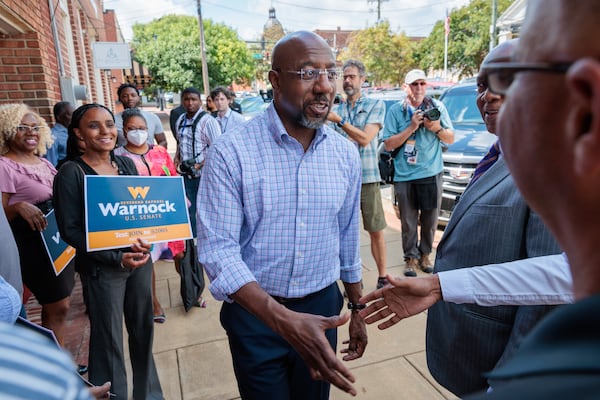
x: 356, y: 306
x: 341, y: 123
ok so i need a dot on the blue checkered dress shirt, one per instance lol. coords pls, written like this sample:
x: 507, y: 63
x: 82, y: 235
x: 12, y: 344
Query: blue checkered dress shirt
x: 272, y: 213
x: 365, y: 111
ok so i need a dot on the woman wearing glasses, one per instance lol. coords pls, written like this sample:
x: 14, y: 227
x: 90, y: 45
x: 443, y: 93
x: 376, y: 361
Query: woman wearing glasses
x: 26, y: 185
x: 117, y: 281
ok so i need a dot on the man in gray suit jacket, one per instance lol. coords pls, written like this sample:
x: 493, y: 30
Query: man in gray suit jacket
x: 490, y: 224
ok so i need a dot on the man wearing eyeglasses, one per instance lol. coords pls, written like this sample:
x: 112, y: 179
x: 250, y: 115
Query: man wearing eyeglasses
x: 419, y: 126
x: 360, y: 119
x: 283, y: 231
x: 551, y: 145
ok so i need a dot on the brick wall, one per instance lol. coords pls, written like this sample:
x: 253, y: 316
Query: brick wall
x: 29, y: 67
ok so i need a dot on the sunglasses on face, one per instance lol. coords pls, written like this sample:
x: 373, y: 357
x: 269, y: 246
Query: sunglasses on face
x: 415, y: 84
x: 501, y: 76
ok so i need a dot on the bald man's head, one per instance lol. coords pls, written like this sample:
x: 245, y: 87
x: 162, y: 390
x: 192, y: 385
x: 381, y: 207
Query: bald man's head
x: 303, y: 77
x: 501, y: 53
x: 288, y: 46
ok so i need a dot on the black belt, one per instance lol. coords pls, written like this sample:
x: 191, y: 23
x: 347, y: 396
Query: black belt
x: 284, y: 300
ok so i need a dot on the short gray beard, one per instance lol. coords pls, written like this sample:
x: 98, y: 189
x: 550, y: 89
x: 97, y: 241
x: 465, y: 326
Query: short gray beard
x: 311, y: 124
x: 349, y: 91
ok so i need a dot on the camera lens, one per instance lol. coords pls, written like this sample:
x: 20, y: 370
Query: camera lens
x: 432, y: 114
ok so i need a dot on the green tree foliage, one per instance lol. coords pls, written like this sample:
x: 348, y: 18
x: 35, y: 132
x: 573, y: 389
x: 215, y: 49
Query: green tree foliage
x: 170, y: 48
x: 468, y: 42
x: 387, y: 56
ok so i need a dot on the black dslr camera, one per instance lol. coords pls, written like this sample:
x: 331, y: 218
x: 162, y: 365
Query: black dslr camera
x: 430, y: 111
x: 432, y: 114
x: 187, y: 168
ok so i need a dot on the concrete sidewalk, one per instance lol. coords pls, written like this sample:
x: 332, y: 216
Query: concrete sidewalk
x: 194, y: 362
x: 192, y: 352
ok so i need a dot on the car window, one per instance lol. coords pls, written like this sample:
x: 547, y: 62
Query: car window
x: 462, y: 107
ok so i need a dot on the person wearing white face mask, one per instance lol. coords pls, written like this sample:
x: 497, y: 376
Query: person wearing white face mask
x: 150, y: 160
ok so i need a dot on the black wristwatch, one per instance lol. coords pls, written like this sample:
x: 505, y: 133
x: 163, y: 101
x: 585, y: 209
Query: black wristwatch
x: 341, y: 123
x: 356, y: 307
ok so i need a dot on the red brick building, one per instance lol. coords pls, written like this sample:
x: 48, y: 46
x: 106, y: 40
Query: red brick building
x: 46, y: 53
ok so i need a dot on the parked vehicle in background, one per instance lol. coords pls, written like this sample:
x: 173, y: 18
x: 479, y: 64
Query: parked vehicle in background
x: 436, y: 87
x: 253, y: 105
x: 471, y: 142
x: 389, y: 96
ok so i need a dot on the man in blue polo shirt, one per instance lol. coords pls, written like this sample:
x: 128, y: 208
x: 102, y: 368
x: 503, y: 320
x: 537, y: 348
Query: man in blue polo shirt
x: 418, y: 125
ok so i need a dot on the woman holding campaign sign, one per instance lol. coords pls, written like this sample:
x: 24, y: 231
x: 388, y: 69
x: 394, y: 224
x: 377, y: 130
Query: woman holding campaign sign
x: 118, y: 281
x: 26, y: 186
x: 150, y: 160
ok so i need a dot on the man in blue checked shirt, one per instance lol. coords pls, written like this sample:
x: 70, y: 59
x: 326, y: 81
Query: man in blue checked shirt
x: 196, y: 131
x: 360, y: 119
x: 284, y: 230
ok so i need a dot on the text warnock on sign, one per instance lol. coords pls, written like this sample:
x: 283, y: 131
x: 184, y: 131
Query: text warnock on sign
x: 121, y: 209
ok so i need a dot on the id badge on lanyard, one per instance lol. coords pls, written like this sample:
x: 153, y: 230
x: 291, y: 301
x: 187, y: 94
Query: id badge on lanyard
x: 410, y: 151
x: 410, y: 146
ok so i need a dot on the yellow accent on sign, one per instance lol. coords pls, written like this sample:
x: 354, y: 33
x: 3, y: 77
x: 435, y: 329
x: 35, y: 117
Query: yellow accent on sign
x: 126, y: 237
x: 63, y: 260
x: 138, y: 191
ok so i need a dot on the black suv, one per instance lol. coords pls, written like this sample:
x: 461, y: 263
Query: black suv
x: 471, y: 142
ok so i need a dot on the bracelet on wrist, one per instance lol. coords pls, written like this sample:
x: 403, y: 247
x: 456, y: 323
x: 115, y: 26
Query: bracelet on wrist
x: 341, y: 123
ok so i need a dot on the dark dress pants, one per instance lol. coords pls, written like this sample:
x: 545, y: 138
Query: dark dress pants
x: 113, y: 295
x: 191, y: 191
x: 266, y: 366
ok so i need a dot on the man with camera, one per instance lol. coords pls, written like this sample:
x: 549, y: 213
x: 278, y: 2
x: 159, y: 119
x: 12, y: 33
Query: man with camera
x: 418, y: 125
x: 196, y: 131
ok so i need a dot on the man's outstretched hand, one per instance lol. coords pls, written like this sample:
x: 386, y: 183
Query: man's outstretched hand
x: 401, y: 298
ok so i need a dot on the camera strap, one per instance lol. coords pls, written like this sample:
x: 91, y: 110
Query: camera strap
x: 427, y: 103
x: 194, y: 125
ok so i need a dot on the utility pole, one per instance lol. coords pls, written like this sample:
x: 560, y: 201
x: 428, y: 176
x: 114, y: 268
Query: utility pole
x: 378, y: 7
x: 203, y: 52
x: 493, y: 26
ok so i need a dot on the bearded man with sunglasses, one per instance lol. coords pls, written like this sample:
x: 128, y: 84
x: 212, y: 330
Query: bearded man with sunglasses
x: 419, y: 126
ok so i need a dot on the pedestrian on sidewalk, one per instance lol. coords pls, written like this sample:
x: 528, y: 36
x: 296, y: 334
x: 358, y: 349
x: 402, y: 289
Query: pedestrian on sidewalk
x: 26, y: 185
x: 227, y: 118
x: 150, y: 160
x: 491, y: 224
x: 360, y: 119
x: 284, y: 230
x: 118, y: 281
x: 196, y: 132
x: 129, y: 96
x: 62, y: 116
x: 419, y: 125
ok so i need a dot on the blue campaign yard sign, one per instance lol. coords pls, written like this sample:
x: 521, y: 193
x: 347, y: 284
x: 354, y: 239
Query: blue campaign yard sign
x: 58, y: 250
x: 121, y: 209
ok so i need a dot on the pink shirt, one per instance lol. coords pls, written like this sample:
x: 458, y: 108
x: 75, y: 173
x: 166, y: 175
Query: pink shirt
x: 30, y: 183
x: 156, y: 161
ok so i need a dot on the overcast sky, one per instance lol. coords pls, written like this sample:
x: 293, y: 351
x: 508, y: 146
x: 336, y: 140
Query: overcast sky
x: 247, y: 17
